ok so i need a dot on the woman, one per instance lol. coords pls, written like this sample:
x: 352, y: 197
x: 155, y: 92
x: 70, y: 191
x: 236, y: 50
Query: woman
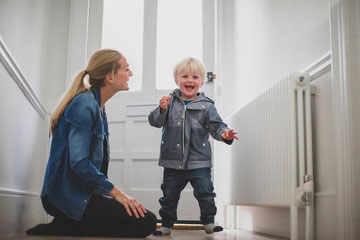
x: 76, y: 190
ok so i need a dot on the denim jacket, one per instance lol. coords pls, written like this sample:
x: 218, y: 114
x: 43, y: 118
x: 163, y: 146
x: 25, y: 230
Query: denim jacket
x: 73, y: 171
x: 186, y: 129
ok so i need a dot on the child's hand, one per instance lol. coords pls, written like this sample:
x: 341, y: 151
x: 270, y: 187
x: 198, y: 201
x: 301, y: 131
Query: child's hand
x: 229, y: 135
x: 164, y: 102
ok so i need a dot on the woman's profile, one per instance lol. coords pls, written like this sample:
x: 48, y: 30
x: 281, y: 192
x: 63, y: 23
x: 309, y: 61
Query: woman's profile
x: 77, y: 191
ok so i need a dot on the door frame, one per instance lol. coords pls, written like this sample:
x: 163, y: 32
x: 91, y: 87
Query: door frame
x: 85, y: 37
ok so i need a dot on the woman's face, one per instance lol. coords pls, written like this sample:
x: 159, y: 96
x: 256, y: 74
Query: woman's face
x: 122, y: 76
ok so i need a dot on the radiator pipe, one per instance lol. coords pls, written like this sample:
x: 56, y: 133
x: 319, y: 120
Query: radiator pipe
x: 302, y: 169
x: 309, y: 205
x: 309, y: 184
x: 294, y: 172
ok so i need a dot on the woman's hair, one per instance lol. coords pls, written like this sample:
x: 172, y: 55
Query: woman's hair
x: 190, y: 64
x: 101, y: 63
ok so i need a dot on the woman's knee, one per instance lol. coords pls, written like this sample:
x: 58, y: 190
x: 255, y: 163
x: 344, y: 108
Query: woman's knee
x: 151, y: 221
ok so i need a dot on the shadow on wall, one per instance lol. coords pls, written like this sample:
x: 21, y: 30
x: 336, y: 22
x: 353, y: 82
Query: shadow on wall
x: 23, y: 156
x: 28, y: 208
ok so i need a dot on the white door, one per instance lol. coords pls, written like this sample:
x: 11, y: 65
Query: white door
x: 134, y: 143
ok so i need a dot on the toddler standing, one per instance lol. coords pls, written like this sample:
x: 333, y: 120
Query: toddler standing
x: 188, y: 118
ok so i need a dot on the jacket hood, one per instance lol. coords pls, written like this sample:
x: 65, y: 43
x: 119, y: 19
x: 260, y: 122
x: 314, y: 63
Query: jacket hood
x: 201, y: 96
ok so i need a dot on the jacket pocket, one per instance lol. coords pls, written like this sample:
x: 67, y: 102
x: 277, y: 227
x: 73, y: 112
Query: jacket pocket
x: 171, y: 144
x: 200, y: 149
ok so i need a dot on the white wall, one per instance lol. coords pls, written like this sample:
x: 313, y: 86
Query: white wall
x: 35, y: 34
x: 272, y: 39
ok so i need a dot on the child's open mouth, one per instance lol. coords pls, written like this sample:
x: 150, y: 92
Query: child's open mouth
x: 189, y: 87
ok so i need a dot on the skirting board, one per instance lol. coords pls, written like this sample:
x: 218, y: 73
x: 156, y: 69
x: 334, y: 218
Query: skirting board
x: 276, y: 220
x: 19, y: 213
x: 268, y: 220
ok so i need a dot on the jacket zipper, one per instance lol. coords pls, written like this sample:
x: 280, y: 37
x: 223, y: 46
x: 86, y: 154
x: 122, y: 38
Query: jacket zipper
x: 183, y: 132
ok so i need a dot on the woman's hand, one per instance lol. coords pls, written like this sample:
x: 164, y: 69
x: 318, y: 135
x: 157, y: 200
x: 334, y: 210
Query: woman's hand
x: 229, y: 135
x: 130, y: 204
x: 164, y: 102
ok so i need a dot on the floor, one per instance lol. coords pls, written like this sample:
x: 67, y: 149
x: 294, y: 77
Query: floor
x: 176, y: 234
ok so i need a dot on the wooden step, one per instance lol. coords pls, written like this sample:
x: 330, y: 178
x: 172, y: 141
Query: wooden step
x: 183, y: 226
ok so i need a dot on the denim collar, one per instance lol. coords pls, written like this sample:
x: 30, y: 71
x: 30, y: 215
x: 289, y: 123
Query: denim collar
x: 96, y: 92
x: 97, y: 95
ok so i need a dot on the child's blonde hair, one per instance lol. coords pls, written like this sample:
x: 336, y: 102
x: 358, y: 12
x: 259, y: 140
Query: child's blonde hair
x: 190, y: 64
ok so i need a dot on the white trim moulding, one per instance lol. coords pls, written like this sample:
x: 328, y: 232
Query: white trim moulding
x: 14, y: 71
x: 5, y: 191
x: 319, y: 68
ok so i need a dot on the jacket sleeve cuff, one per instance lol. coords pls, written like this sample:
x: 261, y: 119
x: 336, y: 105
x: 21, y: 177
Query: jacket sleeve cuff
x: 160, y: 116
x: 107, y: 186
x: 229, y: 142
x: 157, y: 118
x: 220, y: 131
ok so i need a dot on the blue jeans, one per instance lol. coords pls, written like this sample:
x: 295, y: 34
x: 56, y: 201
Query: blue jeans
x: 174, y: 181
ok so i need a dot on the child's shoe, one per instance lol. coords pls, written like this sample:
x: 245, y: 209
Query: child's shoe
x: 210, y: 228
x: 162, y: 231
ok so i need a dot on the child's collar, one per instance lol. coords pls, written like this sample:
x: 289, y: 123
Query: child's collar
x: 200, y: 95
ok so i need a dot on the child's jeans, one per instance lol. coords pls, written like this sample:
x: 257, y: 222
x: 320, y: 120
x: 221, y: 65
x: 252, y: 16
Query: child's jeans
x: 174, y: 181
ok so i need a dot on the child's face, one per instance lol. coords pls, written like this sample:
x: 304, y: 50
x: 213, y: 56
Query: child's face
x: 189, y: 84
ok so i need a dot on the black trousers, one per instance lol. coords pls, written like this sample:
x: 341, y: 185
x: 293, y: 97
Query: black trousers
x: 103, y: 217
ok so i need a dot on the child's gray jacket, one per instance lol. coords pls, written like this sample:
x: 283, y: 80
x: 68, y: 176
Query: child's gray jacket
x: 185, y: 134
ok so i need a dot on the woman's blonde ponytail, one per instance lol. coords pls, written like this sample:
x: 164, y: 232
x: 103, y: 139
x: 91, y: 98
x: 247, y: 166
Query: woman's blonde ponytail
x: 78, y: 86
x: 101, y: 63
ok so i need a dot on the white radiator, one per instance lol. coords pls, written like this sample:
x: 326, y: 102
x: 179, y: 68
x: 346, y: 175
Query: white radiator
x: 273, y: 157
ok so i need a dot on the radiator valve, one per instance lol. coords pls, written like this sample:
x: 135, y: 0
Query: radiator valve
x: 308, y: 190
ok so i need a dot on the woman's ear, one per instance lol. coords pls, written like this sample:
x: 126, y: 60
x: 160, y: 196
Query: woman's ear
x: 109, y: 78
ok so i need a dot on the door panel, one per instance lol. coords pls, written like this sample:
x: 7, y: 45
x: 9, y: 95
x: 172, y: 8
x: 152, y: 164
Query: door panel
x: 116, y: 172
x: 117, y: 140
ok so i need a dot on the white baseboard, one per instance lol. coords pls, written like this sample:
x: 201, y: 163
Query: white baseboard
x: 19, y: 213
x: 267, y: 220
x: 7, y: 191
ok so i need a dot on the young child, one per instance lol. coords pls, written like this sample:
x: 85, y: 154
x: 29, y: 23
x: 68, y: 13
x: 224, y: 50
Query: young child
x: 187, y: 118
